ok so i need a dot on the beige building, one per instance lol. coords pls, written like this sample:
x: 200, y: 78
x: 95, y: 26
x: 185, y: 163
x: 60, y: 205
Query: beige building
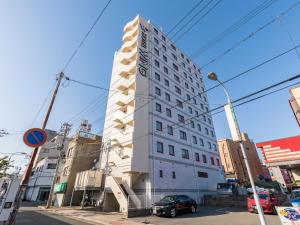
x: 295, y: 102
x: 83, y: 150
x: 233, y: 162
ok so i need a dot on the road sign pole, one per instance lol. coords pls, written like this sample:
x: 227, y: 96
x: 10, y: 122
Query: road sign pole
x: 34, y: 153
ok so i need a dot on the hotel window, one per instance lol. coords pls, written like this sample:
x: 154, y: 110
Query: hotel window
x: 167, y: 83
x: 204, y: 159
x: 188, y: 97
x: 201, y: 105
x: 218, y: 162
x: 212, y: 160
x: 215, y: 147
x: 198, y: 127
x: 197, y: 157
x: 192, y: 89
x: 196, y: 112
x: 156, y: 63
x: 156, y: 51
x: 204, y: 98
x: 173, y: 47
x: 155, y: 30
x: 183, y: 64
x: 206, y: 131
x: 192, y: 124
x: 156, y: 41
x: 157, y: 91
x: 202, y: 174
x: 190, y: 110
x: 185, y: 154
x: 166, y: 70
x: 160, y: 147
x: 182, y: 56
x: 182, y: 135
x: 170, y: 130
x: 174, y: 56
x: 175, y: 67
x: 206, y: 108
x: 163, y: 37
x: 165, y: 58
x: 173, y: 175
x: 157, y: 76
x: 185, y: 75
x: 186, y: 85
x: 168, y: 97
x: 212, y: 133
x: 161, y: 173
x: 179, y: 103
x: 177, y: 78
x: 189, y: 69
x: 198, y: 86
x: 202, y: 89
x: 177, y: 90
x: 171, y: 150
x: 209, y: 121
x: 201, y: 142
x: 158, y: 107
x: 204, y: 117
x: 66, y: 171
x: 168, y: 112
x: 164, y: 48
x: 194, y: 139
x: 199, y: 94
x: 158, y: 125
x: 209, y: 145
x: 194, y: 101
x: 180, y: 118
x: 188, y: 60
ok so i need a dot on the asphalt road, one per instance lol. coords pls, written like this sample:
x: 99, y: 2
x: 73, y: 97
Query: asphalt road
x: 31, y: 215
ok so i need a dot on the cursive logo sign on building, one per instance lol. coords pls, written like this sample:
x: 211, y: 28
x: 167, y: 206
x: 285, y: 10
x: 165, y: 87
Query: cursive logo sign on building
x: 143, y: 64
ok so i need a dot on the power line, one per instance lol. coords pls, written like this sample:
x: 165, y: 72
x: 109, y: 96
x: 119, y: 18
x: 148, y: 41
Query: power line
x: 234, y: 27
x: 251, y: 35
x: 86, y: 36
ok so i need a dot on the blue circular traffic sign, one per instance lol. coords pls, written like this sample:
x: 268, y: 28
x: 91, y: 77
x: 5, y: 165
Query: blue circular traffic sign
x: 35, y: 137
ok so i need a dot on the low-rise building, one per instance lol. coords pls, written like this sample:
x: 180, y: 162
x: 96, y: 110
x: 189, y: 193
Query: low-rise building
x: 233, y: 161
x: 83, y: 150
x: 40, y: 181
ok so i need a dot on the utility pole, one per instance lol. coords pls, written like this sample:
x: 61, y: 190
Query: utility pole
x: 65, y: 129
x: 27, y: 173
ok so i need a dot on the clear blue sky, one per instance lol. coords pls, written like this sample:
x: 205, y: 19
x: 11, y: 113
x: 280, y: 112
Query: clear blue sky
x: 37, y: 37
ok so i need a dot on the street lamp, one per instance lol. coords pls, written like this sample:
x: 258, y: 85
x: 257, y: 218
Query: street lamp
x: 230, y: 113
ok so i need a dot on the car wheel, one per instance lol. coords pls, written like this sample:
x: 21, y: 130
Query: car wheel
x: 172, y: 212
x: 193, y: 209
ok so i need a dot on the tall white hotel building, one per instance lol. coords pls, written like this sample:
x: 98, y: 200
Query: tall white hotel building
x: 158, y: 136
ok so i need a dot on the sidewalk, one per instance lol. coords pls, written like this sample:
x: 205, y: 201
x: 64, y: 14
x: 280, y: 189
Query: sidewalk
x: 93, y: 217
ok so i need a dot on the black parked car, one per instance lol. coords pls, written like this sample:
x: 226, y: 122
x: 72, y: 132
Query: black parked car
x: 172, y: 204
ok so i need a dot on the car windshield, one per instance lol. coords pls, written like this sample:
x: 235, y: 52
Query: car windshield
x: 295, y: 195
x: 168, y: 199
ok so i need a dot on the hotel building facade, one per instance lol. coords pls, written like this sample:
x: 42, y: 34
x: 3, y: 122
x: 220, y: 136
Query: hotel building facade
x: 158, y: 136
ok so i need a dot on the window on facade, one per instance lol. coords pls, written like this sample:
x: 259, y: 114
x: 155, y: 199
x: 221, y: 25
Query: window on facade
x: 188, y: 97
x: 156, y: 41
x: 192, y: 89
x: 179, y: 103
x: 201, y: 142
x: 70, y: 152
x: 185, y: 154
x: 156, y: 52
x: 212, y: 133
x: 206, y: 108
x: 160, y: 147
x: 204, y: 159
x: 174, y: 56
x: 158, y: 125
x: 188, y: 60
x: 185, y: 75
x: 173, y: 47
x: 183, y: 64
x: 194, y: 101
x: 218, y: 162
x: 204, y: 98
x: 197, y: 113
x: 164, y: 48
x: 158, y: 107
x: 197, y: 84
x: 180, y: 118
x: 157, y: 91
x: 198, y: 127
x: 66, y: 171
x: 190, y: 110
x: 209, y: 145
x: 192, y: 124
x: 202, y: 174
x: 182, y: 135
x: 155, y: 30
x: 189, y: 69
x: 194, y: 139
x: 212, y: 161
x: 209, y: 121
x: 175, y: 67
x: 201, y: 105
x: 167, y: 83
x: 157, y: 76
x: 156, y: 63
x: 176, y: 78
x: 215, y: 147
x: 165, y: 58
x: 163, y: 37
x: 168, y: 112
x: 186, y: 85
x: 171, y: 150
x: 197, y: 157
x: 206, y: 131
x: 168, y: 97
x: 166, y: 70
x: 173, y: 175
x: 177, y: 90
x: 161, y: 173
x: 51, y: 166
x: 170, y: 130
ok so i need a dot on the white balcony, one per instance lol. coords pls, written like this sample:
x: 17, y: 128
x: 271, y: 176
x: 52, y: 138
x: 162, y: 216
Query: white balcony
x: 128, y: 36
x: 123, y: 118
x: 128, y: 57
x: 88, y: 178
x: 129, y: 45
x: 131, y: 25
x: 127, y: 70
